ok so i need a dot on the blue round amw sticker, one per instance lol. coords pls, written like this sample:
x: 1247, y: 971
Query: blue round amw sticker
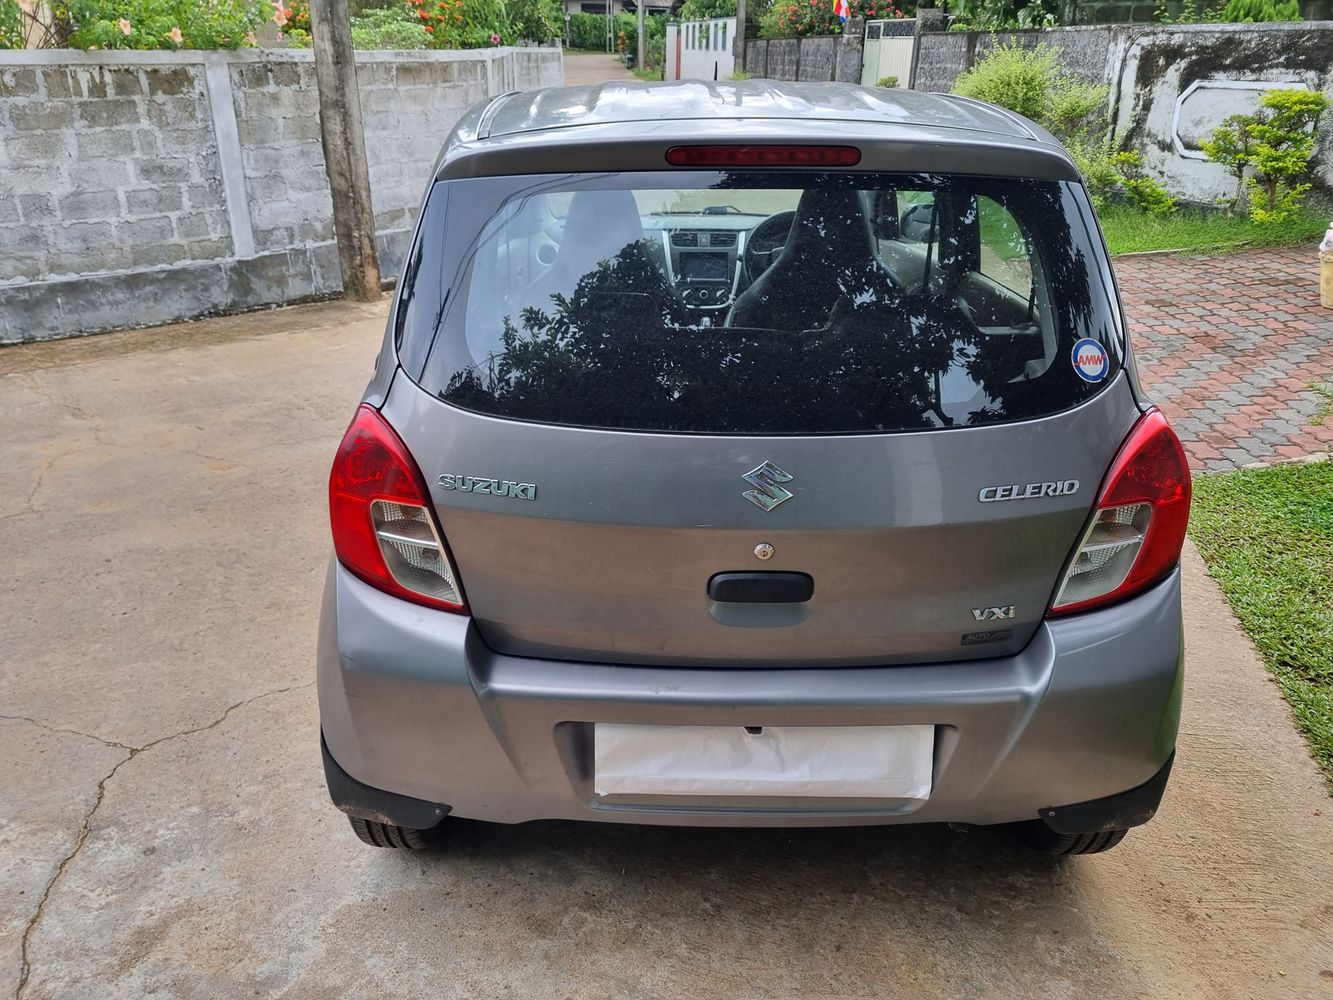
x: 1091, y: 360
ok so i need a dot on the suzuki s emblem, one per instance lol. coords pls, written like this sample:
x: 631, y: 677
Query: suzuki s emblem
x: 767, y: 493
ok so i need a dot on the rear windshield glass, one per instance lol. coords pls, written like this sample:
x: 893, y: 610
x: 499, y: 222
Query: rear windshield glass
x: 757, y: 303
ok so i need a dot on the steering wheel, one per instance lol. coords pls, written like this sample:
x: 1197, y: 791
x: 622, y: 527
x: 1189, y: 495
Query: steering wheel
x: 765, y: 244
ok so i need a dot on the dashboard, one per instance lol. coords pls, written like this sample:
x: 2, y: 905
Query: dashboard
x: 702, y: 255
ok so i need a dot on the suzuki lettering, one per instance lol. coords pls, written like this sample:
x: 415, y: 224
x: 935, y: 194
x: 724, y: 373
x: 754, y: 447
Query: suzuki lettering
x: 494, y: 487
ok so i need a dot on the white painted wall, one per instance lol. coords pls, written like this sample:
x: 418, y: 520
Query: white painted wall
x: 700, y: 50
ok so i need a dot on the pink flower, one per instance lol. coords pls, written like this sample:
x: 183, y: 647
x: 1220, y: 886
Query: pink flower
x: 175, y: 35
x: 279, y: 14
x: 495, y: 39
x: 125, y: 26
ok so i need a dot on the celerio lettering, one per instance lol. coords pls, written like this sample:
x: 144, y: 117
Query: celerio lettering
x: 1028, y: 491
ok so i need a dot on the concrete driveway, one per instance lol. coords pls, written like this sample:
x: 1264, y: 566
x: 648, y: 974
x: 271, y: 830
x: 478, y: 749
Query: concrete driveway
x: 583, y: 68
x: 164, y: 828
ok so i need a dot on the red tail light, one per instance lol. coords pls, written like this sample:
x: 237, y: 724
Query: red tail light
x: 383, y: 529
x: 763, y: 156
x: 1138, y: 527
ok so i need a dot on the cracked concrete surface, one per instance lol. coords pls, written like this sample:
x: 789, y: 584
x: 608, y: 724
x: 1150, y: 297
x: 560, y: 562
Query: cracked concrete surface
x: 164, y: 829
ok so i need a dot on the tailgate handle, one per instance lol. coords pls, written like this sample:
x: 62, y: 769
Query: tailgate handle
x: 761, y: 588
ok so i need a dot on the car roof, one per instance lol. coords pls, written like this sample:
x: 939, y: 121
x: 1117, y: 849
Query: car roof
x: 627, y: 125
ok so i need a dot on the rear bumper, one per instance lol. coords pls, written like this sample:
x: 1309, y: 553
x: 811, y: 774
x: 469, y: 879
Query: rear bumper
x: 415, y: 705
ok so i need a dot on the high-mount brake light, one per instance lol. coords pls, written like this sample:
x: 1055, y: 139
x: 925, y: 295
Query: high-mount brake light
x: 1138, y: 527
x: 763, y: 156
x: 383, y: 528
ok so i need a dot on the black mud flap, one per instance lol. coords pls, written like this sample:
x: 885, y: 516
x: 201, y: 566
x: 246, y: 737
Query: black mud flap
x: 364, y: 802
x: 1115, y: 812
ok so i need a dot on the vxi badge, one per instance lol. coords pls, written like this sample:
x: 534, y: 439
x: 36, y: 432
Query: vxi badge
x: 495, y: 487
x: 1029, y: 491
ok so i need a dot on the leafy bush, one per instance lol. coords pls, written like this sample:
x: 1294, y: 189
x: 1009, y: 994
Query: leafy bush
x: 1251, y: 11
x: 393, y: 27
x: 11, y: 25
x: 588, y: 31
x: 1021, y: 79
x: 1229, y: 145
x: 464, y: 24
x: 1269, y: 152
x: 293, y: 18
x: 998, y: 15
x: 803, y: 18
x: 1234, y: 12
x: 1032, y: 82
x: 799, y: 19
x: 1147, y: 193
x: 536, y: 20
x: 656, y: 55
x: 887, y: 81
x: 1283, y: 143
x: 160, y: 24
x: 704, y: 10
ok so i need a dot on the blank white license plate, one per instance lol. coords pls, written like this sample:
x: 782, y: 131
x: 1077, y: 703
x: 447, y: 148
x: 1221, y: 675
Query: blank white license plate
x: 891, y: 762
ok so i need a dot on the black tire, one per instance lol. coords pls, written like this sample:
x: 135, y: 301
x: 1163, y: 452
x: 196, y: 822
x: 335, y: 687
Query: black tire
x: 385, y: 835
x: 1041, y: 838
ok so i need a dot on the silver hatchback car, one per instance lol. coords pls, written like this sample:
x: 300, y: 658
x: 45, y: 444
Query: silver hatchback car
x: 754, y: 454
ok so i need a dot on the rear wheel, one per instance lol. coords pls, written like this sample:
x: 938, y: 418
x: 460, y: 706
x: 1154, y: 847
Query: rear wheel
x: 404, y: 838
x: 1040, y: 837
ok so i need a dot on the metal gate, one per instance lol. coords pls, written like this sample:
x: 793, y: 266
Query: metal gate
x: 887, y: 52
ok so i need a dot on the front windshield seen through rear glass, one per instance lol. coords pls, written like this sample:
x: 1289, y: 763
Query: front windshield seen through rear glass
x: 757, y: 302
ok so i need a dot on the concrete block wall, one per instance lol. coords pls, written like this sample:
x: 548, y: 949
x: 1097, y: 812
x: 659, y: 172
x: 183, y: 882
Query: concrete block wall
x: 106, y: 168
x: 146, y: 187
x: 820, y: 59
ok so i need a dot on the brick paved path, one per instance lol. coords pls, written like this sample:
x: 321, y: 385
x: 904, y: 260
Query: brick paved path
x: 1229, y: 346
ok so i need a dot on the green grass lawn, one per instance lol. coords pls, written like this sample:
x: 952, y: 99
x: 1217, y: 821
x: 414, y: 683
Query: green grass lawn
x: 1267, y: 536
x: 1129, y: 230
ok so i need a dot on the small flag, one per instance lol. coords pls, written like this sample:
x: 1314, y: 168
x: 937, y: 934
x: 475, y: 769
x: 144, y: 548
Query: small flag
x: 841, y: 8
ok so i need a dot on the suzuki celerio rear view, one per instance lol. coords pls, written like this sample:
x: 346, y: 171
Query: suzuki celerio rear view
x: 754, y: 455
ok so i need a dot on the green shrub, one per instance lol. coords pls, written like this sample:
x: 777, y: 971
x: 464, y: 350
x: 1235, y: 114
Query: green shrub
x: 536, y: 20
x: 1229, y: 145
x: 587, y: 31
x: 1032, y: 82
x: 161, y: 24
x: 1147, y: 193
x: 656, y: 46
x: 887, y: 81
x: 394, y: 27
x: 1016, y: 77
x: 1269, y: 152
x: 797, y: 19
x: 1283, y: 143
x: 1252, y: 11
x: 464, y: 24
x: 11, y: 25
x: 1234, y: 11
x: 704, y: 10
x: 997, y: 15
